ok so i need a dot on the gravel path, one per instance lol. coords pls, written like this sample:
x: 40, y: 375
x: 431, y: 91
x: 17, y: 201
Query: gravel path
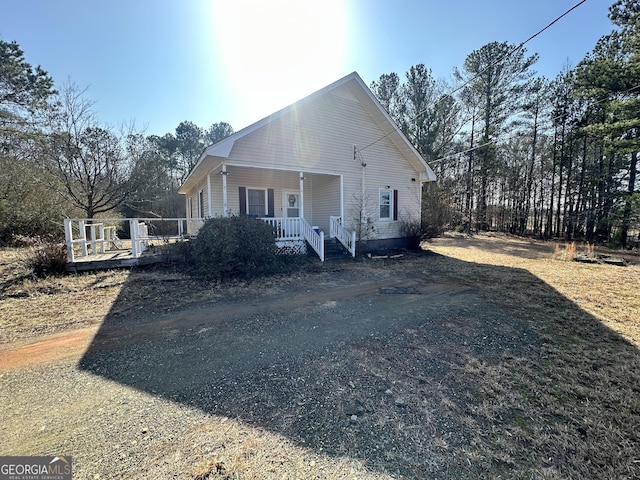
x: 345, y: 375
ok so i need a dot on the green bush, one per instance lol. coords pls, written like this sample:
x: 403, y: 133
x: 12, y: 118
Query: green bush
x: 235, y: 247
x: 47, y: 258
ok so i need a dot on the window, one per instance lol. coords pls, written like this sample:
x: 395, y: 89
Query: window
x: 256, y: 202
x: 386, y: 205
x: 201, y: 203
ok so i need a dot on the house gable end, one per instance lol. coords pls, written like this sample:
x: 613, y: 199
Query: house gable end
x: 318, y: 132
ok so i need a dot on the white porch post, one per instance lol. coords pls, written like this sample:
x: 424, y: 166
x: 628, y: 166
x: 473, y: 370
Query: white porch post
x: 68, y: 233
x: 83, y: 237
x: 301, y: 194
x: 133, y: 233
x: 209, y: 208
x: 342, y: 199
x: 225, y: 208
x: 101, y: 238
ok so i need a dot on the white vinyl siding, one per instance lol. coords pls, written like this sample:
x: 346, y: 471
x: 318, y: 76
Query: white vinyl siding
x: 318, y: 138
x: 326, y: 200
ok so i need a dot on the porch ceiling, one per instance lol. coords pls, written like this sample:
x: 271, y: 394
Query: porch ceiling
x: 213, y: 165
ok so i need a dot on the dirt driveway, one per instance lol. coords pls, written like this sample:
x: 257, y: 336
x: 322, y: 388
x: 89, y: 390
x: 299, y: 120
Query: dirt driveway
x: 389, y: 369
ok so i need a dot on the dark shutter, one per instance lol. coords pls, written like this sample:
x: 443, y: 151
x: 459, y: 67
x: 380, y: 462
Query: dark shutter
x: 243, y: 200
x: 395, y: 204
x: 271, y: 209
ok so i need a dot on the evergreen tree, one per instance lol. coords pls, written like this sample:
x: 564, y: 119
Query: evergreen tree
x: 496, y: 76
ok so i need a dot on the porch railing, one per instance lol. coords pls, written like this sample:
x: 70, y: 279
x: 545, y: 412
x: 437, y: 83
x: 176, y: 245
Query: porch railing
x: 297, y: 229
x: 313, y: 237
x: 89, y: 237
x: 86, y: 237
x: 337, y: 230
x: 285, y: 228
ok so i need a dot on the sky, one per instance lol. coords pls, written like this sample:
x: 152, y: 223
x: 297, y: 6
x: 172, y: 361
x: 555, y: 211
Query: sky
x: 157, y: 63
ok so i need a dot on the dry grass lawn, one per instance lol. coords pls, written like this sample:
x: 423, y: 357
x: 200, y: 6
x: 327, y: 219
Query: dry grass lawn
x: 569, y: 410
x: 610, y: 293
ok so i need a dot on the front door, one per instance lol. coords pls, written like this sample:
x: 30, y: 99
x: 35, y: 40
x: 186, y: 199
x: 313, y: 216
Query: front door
x: 291, y: 203
x: 291, y: 210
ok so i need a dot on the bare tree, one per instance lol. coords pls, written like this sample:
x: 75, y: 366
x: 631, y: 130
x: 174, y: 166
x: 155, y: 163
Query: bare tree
x: 361, y: 218
x: 91, y: 163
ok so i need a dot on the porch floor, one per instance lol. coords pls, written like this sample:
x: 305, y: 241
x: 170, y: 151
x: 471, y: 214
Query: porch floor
x: 113, y: 259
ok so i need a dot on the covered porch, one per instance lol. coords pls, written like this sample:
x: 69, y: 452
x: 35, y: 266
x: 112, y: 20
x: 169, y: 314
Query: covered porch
x: 94, y: 243
x: 267, y: 192
x: 302, y: 206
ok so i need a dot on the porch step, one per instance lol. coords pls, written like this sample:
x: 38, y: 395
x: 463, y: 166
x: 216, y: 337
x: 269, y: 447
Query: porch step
x: 334, y: 250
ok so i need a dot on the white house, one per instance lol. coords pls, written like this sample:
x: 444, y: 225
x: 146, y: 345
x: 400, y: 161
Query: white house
x: 334, y: 160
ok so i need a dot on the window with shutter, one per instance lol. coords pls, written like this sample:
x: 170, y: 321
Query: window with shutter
x: 386, y: 204
x: 256, y: 202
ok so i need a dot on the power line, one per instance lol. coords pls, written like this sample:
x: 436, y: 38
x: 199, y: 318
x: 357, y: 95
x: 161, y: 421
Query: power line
x: 491, y: 142
x: 494, y: 63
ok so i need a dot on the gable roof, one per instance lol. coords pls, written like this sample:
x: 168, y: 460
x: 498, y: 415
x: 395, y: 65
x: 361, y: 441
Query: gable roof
x: 214, y: 154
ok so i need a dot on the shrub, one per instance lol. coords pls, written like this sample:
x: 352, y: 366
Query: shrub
x: 234, y: 247
x: 47, y: 258
x: 590, y: 250
x: 412, y: 230
x: 437, y: 213
x: 568, y: 254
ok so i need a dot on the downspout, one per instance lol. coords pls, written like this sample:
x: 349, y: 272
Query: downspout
x: 363, y: 172
x: 225, y: 208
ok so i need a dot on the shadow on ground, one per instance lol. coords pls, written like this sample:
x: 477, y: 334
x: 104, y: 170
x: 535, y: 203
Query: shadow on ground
x: 399, y: 364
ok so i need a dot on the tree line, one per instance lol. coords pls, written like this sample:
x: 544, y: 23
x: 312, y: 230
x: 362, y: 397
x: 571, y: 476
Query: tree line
x: 520, y: 153
x: 513, y: 151
x: 58, y: 160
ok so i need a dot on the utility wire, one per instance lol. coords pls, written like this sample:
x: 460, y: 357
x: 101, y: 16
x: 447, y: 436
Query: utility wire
x: 494, y: 63
x: 490, y: 142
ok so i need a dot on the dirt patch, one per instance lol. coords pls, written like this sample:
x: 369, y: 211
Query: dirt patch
x: 48, y: 349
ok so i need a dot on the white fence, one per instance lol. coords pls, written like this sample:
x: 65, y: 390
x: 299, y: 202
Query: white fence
x: 336, y: 230
x: 291, y: 229
x: 285, y: 228
x: 89, y: 237
x: 313, y: 237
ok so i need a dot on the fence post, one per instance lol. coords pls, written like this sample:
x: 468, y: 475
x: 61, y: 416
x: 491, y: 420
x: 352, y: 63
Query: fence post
x: 133, y: 233
x: 68, y: 234
x: 83, y: 237
x: 101, y: 238
x: 321, y: 246
x: 353, y: 243
x: 93, y: 238
x: 108, y: 232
